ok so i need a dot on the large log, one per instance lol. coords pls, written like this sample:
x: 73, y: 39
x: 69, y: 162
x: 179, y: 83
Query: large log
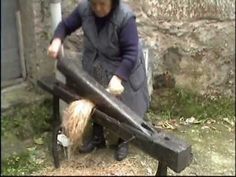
x: 164, y: 147
x: 115, y: 115
x: 87, y: 87
x: 169, y: 150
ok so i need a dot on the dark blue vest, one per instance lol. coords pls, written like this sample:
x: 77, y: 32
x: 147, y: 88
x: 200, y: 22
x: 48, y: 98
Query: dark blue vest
x: 101, y: 56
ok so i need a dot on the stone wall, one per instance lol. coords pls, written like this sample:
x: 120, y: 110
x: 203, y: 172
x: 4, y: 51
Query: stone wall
x: 194, y: 41
x: 185, y: 9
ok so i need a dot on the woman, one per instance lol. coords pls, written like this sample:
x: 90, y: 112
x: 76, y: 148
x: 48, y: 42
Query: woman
x: 112, y: 55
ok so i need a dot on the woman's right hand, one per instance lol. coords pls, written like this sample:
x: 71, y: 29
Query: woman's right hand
x: 115, y: 86
x: 54, y: 48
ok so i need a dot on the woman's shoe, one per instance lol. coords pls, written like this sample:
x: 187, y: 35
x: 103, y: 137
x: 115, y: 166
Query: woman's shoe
x: 94, y: 142
x: 121, y: 151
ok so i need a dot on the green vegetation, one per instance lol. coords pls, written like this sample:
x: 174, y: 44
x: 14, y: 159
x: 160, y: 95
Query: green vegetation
x: 31, y: 122
x: 22, y: 164
x: 176, y: 103
x: 28, y: 120
x: 20, y: 124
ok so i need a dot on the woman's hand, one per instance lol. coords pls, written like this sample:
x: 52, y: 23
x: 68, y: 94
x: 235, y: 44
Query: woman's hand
x: 115, y: 87
x: 54, y: 48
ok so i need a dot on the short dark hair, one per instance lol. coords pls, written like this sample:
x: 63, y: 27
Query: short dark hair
x: 115, y: 3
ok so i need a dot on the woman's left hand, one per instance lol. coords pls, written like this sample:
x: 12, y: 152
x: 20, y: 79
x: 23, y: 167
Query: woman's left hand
x: 115, y: 87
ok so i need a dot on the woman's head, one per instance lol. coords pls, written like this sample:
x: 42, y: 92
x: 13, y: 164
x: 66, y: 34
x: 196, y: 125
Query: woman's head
x: 101, y: 8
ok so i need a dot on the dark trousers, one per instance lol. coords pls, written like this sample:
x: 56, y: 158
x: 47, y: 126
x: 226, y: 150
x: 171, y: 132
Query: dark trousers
x: 99, y: 133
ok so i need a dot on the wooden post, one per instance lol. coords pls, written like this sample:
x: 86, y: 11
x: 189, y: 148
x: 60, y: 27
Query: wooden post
x: 56, y: 124
x: 162, y: 169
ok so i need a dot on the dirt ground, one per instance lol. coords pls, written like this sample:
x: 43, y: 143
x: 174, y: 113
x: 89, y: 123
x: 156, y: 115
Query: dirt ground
x: 213, y: 147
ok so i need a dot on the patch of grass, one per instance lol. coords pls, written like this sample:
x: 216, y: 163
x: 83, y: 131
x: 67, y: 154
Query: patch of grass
x: 25, y: 122
x: 22, y: 164
x: 28, y: 120
x: 176, y: 103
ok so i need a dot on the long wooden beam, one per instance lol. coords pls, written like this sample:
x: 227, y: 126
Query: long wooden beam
x: 164, y: 147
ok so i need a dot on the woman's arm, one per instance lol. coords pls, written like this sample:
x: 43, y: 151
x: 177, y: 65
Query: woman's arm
x: 128, y: 37
x: 64, y: 28
x: 68, y: 25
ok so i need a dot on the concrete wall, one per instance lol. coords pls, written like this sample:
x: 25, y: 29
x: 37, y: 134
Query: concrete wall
x: 192, y: 40
x: 36, y: 24
x: 28, y: 36
x: 36, y: 39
